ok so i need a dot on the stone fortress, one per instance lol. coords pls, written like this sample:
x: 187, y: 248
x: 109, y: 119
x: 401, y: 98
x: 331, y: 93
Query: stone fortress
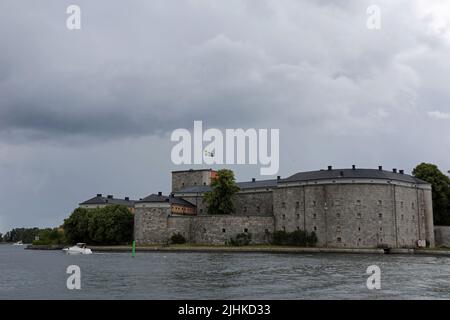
x: 350, y: 208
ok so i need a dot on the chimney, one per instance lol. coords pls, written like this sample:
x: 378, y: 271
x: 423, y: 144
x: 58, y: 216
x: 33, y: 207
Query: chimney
x: 353, y: 167
x: 110, y: 196
x: 402, y: 171
x: 99, y: 194
x: 380, y: 168
x: 330, y: 167
x: 253, y: 179
x: 127, y: 199
x: 278, y: 177
x: 394, y: 170
x: 159, y: 193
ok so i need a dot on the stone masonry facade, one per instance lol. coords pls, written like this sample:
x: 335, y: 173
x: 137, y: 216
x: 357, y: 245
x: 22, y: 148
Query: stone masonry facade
x: 360, y: 209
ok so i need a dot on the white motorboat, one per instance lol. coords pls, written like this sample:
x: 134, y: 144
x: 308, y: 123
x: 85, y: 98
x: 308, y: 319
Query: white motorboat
x: 79, y: 248
x: 18, y: 243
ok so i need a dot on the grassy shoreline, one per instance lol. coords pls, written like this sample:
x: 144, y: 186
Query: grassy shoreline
x: 249, y: 249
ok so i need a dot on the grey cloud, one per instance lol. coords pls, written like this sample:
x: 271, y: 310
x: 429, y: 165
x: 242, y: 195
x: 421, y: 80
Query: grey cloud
x: 90, y: 111
x: 119, y: 77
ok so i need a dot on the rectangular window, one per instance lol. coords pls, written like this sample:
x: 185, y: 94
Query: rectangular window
x: 339, y: 239
x: 283, y: 205
x: 246, y: 230
x: 380, y: 202
x: 358, y: 202
x: 298, y: 216
x: 297, y: 205
x: 358, y: 215
x: 223, y: 230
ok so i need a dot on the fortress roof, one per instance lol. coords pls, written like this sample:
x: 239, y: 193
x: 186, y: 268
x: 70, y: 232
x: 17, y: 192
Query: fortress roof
x: 99, y: 199
x: 170, y: 199
x: 354, y: 173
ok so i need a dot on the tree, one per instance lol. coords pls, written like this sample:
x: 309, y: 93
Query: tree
x: 26, y: 235
x: 76, y: 226
x: 50, y: 236
x: 1, y: 237
x: 109, y: 225
x: 440, y: 184
x: 219, y: 199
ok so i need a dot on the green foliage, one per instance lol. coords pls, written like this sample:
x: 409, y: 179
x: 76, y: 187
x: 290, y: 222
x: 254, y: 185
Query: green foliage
x: 296, y: 238
x: 177, y: 238
x: 26, y: 235
x: 76, y: 226
x: 219, y: 199
x: 109, y: 225
x: 440, y: 191
x: 242, y: 239
x: 50, y: 236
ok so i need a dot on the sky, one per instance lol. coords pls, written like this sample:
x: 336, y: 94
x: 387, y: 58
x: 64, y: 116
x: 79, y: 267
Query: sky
x: 91, y: 111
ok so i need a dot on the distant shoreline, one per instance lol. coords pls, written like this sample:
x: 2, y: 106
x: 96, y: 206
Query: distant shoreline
x: 248, y: 249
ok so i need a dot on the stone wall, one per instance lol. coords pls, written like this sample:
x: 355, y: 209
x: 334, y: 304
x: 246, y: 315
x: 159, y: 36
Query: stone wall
x: 245, y: 203
x: 442, y: 236
x: 366, y: 214
x: 150, y: 224
x: 153, y: 225
x: 354, y: 215
x: 184, y: 179
x: 254, y: 203
x: 218, y: 229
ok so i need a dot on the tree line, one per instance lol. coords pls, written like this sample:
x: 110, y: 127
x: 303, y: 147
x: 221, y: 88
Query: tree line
x: 108, y: 226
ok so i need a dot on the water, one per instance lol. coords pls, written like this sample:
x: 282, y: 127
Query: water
x: 28, y: 274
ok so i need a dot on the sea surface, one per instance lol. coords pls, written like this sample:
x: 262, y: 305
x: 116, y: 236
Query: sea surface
x: 29, y: 274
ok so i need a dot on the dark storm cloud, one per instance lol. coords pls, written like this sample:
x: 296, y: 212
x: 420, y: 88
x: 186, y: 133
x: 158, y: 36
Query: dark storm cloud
x: 148, y: 68
x: 90, y: 111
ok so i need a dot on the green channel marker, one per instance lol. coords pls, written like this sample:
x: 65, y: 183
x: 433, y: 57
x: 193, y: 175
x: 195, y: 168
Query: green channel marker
x: 133, y: 250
